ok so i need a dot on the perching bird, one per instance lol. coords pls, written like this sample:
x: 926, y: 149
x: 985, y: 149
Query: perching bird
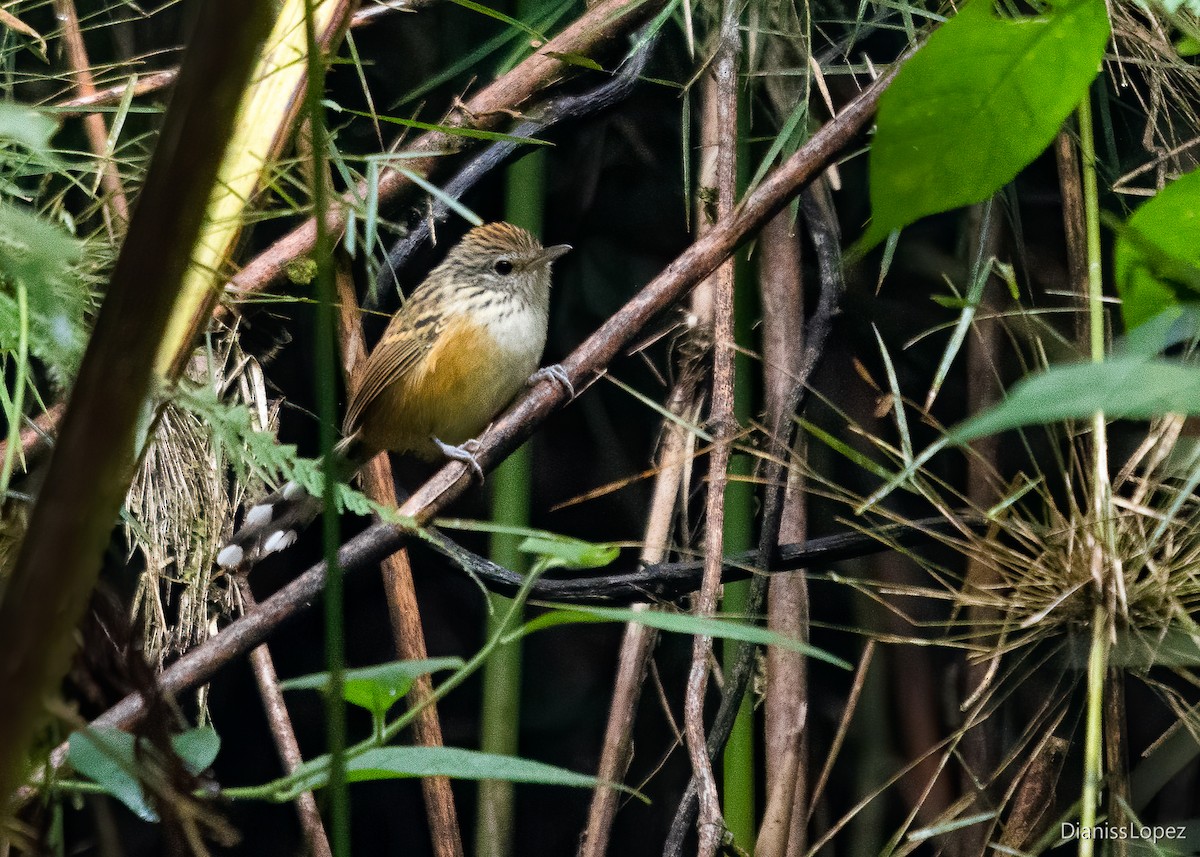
x: 462, y: 346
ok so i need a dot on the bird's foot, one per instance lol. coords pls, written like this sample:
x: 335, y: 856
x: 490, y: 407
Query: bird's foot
x: 555, y: 373
x: 465, y: 453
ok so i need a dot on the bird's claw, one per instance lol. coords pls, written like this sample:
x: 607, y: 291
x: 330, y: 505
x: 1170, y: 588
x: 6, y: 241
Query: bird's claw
x: 555, y: 373
x: 465, y: 453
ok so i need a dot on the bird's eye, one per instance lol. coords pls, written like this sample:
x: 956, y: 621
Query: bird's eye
x: 503, y: 267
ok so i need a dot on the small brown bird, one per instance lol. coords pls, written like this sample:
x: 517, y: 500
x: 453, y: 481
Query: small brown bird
x: 462, y: 346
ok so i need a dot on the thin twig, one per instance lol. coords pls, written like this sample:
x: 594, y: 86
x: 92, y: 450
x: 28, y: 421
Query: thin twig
x: 638, y: 643
x: 116, y: 207
x: 839, y: 738
x: 285, y: 736
x: 822, y: 223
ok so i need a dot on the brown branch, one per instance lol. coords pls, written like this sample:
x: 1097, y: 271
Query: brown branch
x: 94, y: 460
x: 143, y: 84
x: 781, y: 833
x: 37, y: 439
x: 821, y: 219
x: 1034, y: 801
x: 583, y: 366
x: 284, y: 734
x: 116, y: 209
x: 981, y: 746
x: 1070, y: 184
x: 637, y: 645
x: 723, y: 426
x: 403, y: 610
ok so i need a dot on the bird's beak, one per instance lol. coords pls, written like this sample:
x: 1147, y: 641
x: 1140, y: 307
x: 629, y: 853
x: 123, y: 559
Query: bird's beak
x: 549, y: 254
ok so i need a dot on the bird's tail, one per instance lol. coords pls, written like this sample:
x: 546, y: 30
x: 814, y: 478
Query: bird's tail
x: 277, y: 521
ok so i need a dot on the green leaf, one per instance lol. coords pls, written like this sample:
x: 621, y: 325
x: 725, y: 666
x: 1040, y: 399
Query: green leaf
x: 1179, y: 323
x: 26, y: 126
x: 976, y: 104
x: 197, y: 748
x: 383, y: 763
x: 500, y: 16
x: 105, y: 754
x: 1175, y: 647
x: 678, y: 623
x: 1125, y: 387
x: 576, y: 60
x: 43, y: 257
x: 553, y: 549
x: 376, y: 688
x: 1156, y: 259
x: 556, y: 551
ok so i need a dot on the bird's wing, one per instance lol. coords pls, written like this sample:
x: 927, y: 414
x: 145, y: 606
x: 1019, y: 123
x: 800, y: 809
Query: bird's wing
x: 408, y: 338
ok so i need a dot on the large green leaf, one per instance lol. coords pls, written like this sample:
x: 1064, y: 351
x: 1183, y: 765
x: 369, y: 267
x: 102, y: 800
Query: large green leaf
x: 1130, y: 387
x: 981, y: 100
x: 105, y: 754
x: 382, y: 763
x: 1156, y: 259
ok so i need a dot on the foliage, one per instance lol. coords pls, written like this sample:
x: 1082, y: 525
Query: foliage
x: 1070, y: 487
x: 977, y: 103
x: 108, y: 756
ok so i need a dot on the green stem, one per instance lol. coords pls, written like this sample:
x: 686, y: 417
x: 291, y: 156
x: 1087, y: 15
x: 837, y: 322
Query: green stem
x: 501, y: 708
x: 327, y: 368
x: 1093, y: 761
x: 16, y: 406
x: 500, y: 728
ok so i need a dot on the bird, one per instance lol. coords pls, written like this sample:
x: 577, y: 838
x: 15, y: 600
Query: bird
x: 457, y: 352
